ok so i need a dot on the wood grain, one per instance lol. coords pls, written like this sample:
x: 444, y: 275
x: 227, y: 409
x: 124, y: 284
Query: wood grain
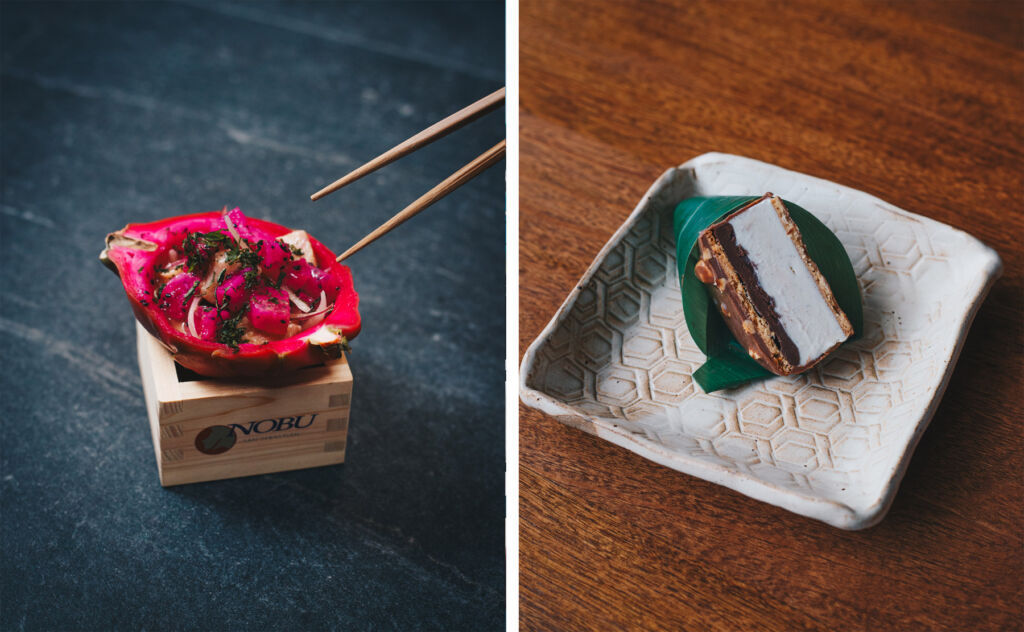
x: 179, y: 411
x: 463, y: 175
x: 915, y: 102
x: 438, y: 130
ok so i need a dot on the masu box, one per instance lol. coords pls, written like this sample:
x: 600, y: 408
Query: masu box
x: 208, y: 429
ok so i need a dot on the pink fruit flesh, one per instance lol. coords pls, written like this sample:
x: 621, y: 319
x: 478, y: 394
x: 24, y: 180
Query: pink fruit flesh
x: 302, y: 278
x: 175, y: 297
x: 206, y: 323
x: 239, y: 221
x: 232, y: 293
x: 269, y: 311
x: 273, y: 254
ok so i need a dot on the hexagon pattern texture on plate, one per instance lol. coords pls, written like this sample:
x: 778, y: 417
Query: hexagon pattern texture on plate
x: 832, y: 443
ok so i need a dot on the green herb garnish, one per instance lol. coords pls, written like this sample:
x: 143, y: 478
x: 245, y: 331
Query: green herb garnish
x: 215, y: 237
x: 192, y: 291
x: 230, y: 333
x: 245, y: 257
x: 200, y: 247
x: 252, y: 275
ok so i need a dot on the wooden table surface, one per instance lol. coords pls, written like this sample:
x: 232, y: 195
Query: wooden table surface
x: 917, y: 103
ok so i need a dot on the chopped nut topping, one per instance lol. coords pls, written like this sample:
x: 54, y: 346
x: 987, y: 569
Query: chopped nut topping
x: 703, y: 272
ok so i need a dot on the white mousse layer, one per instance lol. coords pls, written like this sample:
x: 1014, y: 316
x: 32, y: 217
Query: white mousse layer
x: 802, y: 310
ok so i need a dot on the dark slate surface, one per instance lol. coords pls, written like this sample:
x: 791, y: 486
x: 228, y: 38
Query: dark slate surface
x: 114, y: 113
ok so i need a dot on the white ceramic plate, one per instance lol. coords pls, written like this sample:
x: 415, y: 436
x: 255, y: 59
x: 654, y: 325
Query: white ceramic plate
x: 831, y: 444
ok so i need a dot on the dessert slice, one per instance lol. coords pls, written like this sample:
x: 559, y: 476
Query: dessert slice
x: 772, y: 295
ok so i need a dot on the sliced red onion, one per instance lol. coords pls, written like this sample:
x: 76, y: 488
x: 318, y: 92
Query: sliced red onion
x: 321, y: 309
x: 301, y: 304
x: 313, y: 321
x: 233, y: 231
x: 192, y: 317
x: 308, y: 321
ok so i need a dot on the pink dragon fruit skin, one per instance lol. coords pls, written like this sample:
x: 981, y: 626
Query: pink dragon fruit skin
x: 269, y: 311
x: 174, y: 298
x: 232, y: 293
x: 206, y: 323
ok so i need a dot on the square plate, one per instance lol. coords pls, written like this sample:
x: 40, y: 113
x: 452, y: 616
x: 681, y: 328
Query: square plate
x: 831, y: 444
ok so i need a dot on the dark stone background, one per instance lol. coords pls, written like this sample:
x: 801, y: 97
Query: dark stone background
x: 117, y: 113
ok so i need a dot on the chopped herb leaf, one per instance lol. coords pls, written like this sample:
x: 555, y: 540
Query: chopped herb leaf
x: 230, y: 333
x: 200, y: 247
x: 214, y: 237
x: 188, y: 295
x: 245, y: 257
x: 251, y: 277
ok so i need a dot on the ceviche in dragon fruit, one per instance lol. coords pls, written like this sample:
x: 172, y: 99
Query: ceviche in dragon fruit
x: 233, y: 295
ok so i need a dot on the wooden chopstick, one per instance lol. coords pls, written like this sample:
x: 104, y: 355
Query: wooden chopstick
x: 449, y: 184
x: 437, y: 130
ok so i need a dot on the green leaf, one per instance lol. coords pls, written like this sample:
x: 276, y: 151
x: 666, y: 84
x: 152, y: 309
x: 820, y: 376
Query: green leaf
x: 729, y: 369
x: 728, y: 364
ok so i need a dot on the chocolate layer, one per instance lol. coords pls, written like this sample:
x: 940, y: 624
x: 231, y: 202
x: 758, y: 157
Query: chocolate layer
x: 763, y: 355
x: 762, y: 302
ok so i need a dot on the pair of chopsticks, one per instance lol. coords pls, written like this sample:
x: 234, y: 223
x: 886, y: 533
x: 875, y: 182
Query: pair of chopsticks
x: 442, y: 128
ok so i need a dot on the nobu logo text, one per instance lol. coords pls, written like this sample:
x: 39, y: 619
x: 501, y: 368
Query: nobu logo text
x: 220, y: 439
x: 275, y: 425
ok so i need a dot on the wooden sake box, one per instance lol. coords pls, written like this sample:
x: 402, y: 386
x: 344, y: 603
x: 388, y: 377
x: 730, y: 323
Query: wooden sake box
x: 208, y: 429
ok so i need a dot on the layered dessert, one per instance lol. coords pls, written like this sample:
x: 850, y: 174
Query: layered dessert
x: 770, y: 292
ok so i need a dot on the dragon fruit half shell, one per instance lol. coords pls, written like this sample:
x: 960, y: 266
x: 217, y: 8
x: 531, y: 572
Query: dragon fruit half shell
x: 136, y: 251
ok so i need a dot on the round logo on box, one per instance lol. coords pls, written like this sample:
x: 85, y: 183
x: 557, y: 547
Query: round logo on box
x: 215, y: 439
